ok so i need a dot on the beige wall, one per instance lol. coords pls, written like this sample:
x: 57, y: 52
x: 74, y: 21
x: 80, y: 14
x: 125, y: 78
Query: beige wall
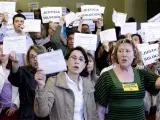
x: 134, y: 8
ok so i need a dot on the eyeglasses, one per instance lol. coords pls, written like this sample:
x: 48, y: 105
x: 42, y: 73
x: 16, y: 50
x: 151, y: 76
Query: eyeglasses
x: 33, y: 57
x: 74, y: 58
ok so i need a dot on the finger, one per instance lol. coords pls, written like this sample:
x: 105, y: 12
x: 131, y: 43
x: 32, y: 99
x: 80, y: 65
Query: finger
x: 7, y: 111
x: 10, y: 113
x: 39, y: 69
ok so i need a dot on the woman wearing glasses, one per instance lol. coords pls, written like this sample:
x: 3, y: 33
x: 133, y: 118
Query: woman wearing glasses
x: 23, y: 78
x: 69, y: 95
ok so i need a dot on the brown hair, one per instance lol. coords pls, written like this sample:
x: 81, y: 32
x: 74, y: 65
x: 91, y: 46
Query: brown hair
x: 38, y: 49
x: 135, y: 50
x: 93, y: 73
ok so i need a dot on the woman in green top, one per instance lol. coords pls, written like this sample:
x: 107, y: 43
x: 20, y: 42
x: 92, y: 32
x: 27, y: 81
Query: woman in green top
x: 123, y: 88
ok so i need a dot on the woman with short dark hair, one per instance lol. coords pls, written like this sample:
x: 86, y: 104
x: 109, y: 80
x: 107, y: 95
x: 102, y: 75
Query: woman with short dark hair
x: 69, y: 95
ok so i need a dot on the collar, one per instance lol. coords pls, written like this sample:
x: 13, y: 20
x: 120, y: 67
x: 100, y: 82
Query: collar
x: 62, y: 82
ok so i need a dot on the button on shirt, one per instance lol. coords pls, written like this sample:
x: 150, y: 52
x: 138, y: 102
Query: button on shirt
x: 78, y: 94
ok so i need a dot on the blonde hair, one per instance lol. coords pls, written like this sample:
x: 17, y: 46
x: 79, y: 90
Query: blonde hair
x: 135, y: 50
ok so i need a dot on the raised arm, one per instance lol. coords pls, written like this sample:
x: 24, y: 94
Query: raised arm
x: 44, y: 97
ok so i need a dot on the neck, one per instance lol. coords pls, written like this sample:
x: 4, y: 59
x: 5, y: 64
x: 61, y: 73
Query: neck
x: 4, y: 64
x: 73, y: 77
x: 19, y: 32
x: 124, y: 69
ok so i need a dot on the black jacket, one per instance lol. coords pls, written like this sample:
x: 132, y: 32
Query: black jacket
x: 24, y: 80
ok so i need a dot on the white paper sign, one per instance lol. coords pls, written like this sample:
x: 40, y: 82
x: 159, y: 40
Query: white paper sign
x: 32, y: 25
x: 87, y: 41
x: 102, y: 9
x: 78, y: 5
x: 69, y: 18
x: 108, y: 35
x: 91, y: 11
x: 151, y: 31
x: 8, y: 7
x: 28, y: 15
x: 91, y: 24
x: 155, y: 18
x: 129, y: 28
x: 33, y: 6
x: 51, y: 14
x: 141, y: 47
x: 119, y: 18
x: 17, y: 44
x: 150, y: 54
x: 52, y: 62
x: 77, y: 21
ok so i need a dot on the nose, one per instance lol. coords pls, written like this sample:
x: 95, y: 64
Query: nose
x: 124, y: 53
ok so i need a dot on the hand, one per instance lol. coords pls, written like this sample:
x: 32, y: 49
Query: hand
x: 106, y: 45
x: 62, y: 21
x: 13, y: 56
x: 128, y: 36
x: 11, y: 111
x: 40, y: 77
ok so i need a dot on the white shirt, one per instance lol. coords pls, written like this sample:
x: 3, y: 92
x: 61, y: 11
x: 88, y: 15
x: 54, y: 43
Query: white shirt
x: 78, y: 94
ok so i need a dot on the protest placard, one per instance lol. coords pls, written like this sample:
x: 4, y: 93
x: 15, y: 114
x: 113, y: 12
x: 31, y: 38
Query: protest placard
x: 28, y: 15
x: 17, y: 44
x: 91, y: 11
x: 28, y: 25
x: 52, y: 62
x: 155, y: 18
x: 51, y: 14
x: 102, y: 9
x: 87, y: 41
x: 33, y: 6
x: 129, y: 28
x: 108, y: 35
x: 150, y: 54
x: 8, y: 7
x: 151, y: 31
x: 118, y: 18
x: 69, y: 18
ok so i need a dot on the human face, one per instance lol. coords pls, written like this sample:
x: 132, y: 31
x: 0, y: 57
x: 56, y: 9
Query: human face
x: 76, y: 62
x: 53, y: 25
x: 90, y: 65
x: 38, y: 35
x: 125, y: 55
x: 135, y: 40
x: 70, y: 40
x: 85, y: 29
x: 3, y: 57
x: 50, y: 31
x: 33, y: 59
x: 18, y: 23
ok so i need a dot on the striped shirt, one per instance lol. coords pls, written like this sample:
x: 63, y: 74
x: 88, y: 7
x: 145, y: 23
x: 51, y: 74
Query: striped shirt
x: 124, y: 105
